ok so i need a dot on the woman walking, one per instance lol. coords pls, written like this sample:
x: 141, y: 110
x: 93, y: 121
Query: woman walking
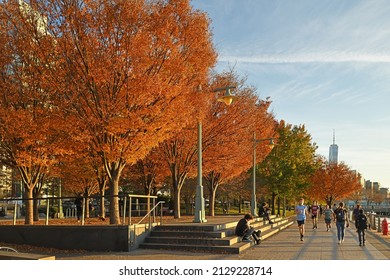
x: 341, y: 218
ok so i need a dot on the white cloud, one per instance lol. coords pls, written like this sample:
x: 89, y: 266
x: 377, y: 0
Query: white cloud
x: 325, y: 57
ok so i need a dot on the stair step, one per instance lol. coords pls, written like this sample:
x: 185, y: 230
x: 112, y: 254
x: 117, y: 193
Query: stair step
x: 208, y: 237
x: 194, y: 241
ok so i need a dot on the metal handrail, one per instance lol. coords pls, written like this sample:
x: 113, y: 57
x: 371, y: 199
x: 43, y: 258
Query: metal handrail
x: 132, y: 237
x: 151, y: 210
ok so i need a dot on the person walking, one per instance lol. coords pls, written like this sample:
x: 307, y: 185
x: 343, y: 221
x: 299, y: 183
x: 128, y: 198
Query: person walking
x: 301, y: 212
x: 341, y: 218
x: 355, y: 214
x: 79, y: 206
x: 361, y: 225
x: 314, y: 214
x: 245, y: 230
x: 328, y: 214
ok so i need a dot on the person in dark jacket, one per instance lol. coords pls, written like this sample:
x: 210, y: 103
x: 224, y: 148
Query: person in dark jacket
x: 355, y: 214
x: 245, y: 230
x: 341, y: 218
x: 361, y: 224
x: 264, y: 212
x: 79, y: 206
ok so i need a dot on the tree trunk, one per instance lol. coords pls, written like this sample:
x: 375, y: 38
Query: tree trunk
x: 102, y: 187
x: 177, y: 184
x: 35, y: 205
x: 29, y: 218
x: 212, y: 202
x: 114, y: 170
x: 176, y: 197
x: 114, y: 201
x: 273, y: 203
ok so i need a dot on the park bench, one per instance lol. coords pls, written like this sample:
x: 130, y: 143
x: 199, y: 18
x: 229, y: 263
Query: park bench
x: 7, y: 253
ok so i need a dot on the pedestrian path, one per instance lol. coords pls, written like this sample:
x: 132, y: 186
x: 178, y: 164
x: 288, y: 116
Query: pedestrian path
x: 317, y: 245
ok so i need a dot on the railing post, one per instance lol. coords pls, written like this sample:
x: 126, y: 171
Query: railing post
x: 124, y: 209
x: 154, y: 210
x: 379, y: 224
x: 83, y: 212
x: 47, y: 212
x: 15, y: 209
x: 161, y: 212
x: 130, y: 206
x: 372, y: 222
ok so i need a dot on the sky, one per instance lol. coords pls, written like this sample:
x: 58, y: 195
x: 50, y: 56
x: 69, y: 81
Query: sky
x: 324, y: 64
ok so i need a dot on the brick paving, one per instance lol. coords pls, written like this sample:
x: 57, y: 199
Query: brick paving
x: 317, y: 245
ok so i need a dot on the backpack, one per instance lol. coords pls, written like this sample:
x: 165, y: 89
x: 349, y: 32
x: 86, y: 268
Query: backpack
x: 340, y: 215
x: 362, y: 221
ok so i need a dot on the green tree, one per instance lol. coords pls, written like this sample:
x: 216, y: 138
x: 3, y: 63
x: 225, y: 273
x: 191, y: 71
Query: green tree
x: 287, y: 170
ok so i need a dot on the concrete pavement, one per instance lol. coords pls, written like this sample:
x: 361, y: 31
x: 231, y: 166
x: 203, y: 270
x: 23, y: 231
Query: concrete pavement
x: 318, y: 245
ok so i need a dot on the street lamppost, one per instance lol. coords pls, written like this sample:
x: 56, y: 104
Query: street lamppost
x: 254, y: 201
x: 200, y: 215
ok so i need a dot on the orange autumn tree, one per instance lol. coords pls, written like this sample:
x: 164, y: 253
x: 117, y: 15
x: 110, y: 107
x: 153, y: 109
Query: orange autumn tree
x: 148, y: 173
x: 229, y: 136
x: 179, y: 154
x: 333, y: 181
x: 79, y: 177
x: 127, y: 70
x: 31, y: 129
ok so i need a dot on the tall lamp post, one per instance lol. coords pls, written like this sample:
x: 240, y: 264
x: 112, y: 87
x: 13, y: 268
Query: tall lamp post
x: 200, y: 215
x: 254, y: 201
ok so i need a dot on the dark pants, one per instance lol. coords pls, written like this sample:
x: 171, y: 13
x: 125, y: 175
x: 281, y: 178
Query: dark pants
x: 362, y: 235
x: 252, y: 232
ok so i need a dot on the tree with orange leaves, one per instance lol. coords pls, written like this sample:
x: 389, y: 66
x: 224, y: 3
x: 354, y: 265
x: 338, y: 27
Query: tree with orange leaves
x: 333, y: 181
x: 125, y: 69
x: 229, y: 136
x: 31, y: 127
x: 80, y: 178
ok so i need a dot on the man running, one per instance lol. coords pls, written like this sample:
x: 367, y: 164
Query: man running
x: 301, y: 211
x: 314, y: 214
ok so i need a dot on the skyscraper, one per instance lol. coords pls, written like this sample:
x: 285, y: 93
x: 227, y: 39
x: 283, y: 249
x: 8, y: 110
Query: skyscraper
x: 333, y: 151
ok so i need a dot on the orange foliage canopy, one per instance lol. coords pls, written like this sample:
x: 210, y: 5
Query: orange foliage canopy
x: 122, y: 73
x: 128, y: 69
x: 31, y: 128
x: 333, y: 181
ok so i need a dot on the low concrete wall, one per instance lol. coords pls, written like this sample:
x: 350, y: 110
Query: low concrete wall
x: 115, y: 238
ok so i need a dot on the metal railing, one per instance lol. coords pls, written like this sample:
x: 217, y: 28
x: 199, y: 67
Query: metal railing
x: 129, y: 205
x: 151, y: 213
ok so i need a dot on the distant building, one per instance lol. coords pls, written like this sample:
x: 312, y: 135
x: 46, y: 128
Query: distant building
x: 369, y: 185
x: 361, y: 178
x: 333, y: 151
x: 376, y: 186
x: 384, y: 191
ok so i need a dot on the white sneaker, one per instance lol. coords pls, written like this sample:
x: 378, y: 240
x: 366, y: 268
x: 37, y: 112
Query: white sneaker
x: 339, y: 241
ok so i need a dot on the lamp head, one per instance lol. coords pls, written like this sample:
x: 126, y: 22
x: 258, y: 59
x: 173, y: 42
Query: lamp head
x: 228, y: 97
x: 271, y: 143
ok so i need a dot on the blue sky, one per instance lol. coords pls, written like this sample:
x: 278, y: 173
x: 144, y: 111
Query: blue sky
x: 324, y: 64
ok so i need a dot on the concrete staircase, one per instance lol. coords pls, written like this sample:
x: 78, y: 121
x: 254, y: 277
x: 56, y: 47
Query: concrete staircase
x: 216, y: 238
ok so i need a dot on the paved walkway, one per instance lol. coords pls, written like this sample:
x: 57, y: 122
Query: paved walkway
x: 318, y: 245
